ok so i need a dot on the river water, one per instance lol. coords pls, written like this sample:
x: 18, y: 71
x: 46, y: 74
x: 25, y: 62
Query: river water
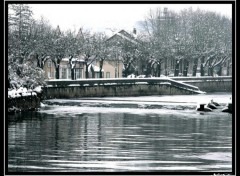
x: 122, y: 134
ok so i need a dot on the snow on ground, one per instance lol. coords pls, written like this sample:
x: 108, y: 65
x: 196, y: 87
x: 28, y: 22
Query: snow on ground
x: 38, y: 89
x: 13, y: 94
x: 22, y: 91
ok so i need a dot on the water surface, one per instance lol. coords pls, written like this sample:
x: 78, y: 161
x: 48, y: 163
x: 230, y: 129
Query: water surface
x: 122, y: 134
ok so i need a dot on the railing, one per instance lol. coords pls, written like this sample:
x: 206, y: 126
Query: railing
x: 120, y: 81
x: 204, y: 78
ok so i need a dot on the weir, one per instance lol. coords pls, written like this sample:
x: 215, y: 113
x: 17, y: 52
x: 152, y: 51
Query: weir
x: 122, y: 87
x: 208, y: 83
x: 117, y: 87
x: 136, y: 86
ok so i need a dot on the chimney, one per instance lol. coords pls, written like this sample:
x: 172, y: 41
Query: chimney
x: 134, y: 31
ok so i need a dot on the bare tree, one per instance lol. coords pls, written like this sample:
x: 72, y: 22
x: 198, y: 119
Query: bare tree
x: 186, y: 37
x: 103, y: 50
x: 88, y: 48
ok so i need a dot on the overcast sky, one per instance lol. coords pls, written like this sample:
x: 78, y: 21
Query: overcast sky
x: 100, y: 17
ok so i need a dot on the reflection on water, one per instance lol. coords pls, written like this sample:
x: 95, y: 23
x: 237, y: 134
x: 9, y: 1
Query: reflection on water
x: 82, y: 140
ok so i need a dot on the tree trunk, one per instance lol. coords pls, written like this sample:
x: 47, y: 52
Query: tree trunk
x: 185, y: 71
x: 210, y: 71
x: 100, y: 71
x: 86, y: 72
x: 220, y: 71
x: 57, y: 72
x: 176, y: 71
x: 73, y: 77
x: 154, y: 71
x: 158, y: 70
x: 58, y: 68
x: 228, y: 67
x: 72, y: 74
x: 38, y: 61
x: 126, y: 71
x: 185, y: 67
x: 93, y: 73
x: 166, y: 67
x: 149, y: 69
x: 210, y: 67
x: 202, y: 70
x: 195, y: 67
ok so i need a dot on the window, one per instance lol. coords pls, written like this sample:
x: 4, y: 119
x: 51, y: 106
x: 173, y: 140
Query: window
x: 108, y: 75
x: 52, y: 75
x: 97, y: 74
x: 49, y: 63
x: 78, y: 73
x: 81, y: 65
x: 69, y: 73
x: 64, y: 73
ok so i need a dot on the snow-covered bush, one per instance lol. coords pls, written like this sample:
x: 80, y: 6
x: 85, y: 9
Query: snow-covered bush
x: 24, y: 75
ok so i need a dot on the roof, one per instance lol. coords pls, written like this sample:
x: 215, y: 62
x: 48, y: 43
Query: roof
x: 125, y: 35
x: 73, y: 59
x: 95, y: 68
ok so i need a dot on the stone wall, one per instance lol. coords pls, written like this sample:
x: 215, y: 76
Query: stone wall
x: 135, y: 87
x: 209, y: 83
x: 212, y: 86
x: 113, y: 90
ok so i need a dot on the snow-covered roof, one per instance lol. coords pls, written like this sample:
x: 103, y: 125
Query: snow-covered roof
x: 73, y: 59
x: 127, y: 38
x: 125, y: 35
x: 95, y: 68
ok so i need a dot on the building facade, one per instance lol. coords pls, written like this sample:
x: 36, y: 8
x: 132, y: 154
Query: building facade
x: 111, y: 69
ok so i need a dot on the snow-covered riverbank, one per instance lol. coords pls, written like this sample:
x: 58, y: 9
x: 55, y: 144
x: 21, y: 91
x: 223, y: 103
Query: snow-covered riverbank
x: 23, y: 99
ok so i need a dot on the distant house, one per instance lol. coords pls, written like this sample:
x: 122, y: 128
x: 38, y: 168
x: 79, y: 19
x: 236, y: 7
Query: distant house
x: 94, y: 71
x: 111, y: 69
x: 124, y: 35
x: 65, y: 68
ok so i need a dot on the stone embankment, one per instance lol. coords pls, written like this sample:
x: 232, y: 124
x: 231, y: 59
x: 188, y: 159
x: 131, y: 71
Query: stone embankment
x: 116, y: 87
